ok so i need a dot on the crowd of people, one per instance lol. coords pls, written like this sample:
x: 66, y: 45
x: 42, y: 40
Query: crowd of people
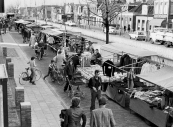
x: 5, y: 23
x: 67, y: 65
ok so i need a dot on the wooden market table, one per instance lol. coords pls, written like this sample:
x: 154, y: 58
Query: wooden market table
x: 152, y: 114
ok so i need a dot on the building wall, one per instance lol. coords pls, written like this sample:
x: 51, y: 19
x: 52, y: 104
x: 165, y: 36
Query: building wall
x: 126, y: 20
x: 141, y: 22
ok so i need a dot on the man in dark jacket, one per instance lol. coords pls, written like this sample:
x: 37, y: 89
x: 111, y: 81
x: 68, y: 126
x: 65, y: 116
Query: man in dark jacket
x: 74, y: 115
x: 95, y: 86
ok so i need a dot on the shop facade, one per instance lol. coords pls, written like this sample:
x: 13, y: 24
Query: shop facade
x: 163, y: 14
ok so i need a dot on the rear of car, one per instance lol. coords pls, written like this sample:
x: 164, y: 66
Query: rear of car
x: 141, y: 35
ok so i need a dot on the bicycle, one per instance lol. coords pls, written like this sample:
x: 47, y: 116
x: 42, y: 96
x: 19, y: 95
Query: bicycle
x: 60, y: 76
x: 25, y: 76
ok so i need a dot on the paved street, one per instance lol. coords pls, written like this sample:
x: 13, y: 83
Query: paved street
x: 121, y: 115
x: 159, y: 49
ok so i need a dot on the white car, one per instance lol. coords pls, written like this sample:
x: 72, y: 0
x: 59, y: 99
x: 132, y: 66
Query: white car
x: 111, y: 29
x: 70, y: 23
x: 138, y: 35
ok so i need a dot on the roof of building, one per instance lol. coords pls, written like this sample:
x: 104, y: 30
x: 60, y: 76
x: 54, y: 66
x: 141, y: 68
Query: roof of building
x: 138, y: 8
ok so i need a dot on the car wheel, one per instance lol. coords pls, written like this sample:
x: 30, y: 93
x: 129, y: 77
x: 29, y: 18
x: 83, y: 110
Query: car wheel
x: 136, y: 39
x: 167, y: 44
x: 151, y: 41
x: 130, y: 38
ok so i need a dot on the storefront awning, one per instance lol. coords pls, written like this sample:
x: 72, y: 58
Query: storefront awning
x: 125, y: 49
x: 162, y: 77
x: 156, y: 22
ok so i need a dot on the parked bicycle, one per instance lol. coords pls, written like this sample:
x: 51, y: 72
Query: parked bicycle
x: 25, y: 76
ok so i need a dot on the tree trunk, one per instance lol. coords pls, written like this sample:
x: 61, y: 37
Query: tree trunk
x: 107, y: 29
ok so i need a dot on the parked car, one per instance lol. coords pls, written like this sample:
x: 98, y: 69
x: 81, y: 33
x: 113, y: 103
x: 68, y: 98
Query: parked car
x: 67, y: 23
x: 138, y: 35
x: 48, y: 27
x: 60, y: 22
x: 70, y: 23
x: 111, y: 29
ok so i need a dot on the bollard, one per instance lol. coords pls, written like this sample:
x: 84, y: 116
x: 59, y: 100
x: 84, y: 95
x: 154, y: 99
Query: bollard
x: 4, y: 49
x: 25, y: 114
x: 10, y: 70
x: 8, y: 60
x: 19, y: 96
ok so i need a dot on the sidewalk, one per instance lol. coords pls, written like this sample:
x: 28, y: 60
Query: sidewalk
x: 46, y: 104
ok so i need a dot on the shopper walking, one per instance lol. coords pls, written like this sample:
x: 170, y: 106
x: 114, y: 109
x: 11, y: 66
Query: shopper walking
x: 95, y: 86
x: 75, y: 114
x: 102, y: 117
x: 51, y: 71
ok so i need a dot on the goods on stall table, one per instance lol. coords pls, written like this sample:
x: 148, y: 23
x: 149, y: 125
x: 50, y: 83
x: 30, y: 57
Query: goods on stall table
x: 88, y: 72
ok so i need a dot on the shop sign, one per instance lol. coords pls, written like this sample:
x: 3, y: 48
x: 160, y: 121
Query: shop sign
x: 160, y: 16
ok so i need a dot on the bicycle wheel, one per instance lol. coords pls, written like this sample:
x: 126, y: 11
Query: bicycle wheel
x: 23, y: 78
x: 38, y: 74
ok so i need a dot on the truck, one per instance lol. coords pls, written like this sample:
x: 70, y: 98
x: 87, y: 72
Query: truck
x: 158, y: 36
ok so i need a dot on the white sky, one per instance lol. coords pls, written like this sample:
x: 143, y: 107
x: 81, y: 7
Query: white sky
x: 39, y: 2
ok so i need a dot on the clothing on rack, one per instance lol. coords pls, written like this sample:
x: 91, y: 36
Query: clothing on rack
x: 125, y: 60
x: 138, y: 65
x: 108, y: 68
x: 147, y: 68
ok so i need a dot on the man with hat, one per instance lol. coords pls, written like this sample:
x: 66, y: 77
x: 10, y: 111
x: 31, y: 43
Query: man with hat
x: 102, y: 117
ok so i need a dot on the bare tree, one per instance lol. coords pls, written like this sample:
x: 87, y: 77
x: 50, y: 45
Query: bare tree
x: 110, y: 10
x: 13, y: 8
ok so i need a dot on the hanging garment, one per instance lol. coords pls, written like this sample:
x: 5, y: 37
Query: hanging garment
x: 108, y: 68
x: 147, y: 68
x: 139, y: 65
x: 125, y: 60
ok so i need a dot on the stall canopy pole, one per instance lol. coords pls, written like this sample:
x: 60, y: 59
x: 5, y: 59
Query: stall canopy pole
x: 131, y: 64
x: 116, y: 67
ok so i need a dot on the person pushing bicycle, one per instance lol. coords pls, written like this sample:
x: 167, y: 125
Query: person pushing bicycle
x: 51, y: 70
x: 32, y: 68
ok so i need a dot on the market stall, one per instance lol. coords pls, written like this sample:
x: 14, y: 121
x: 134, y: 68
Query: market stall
x: 127, y: 61
x: 156, y: 101
x: 36, y: 28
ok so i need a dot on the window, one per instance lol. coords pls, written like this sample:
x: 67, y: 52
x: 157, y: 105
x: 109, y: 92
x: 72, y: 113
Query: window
x: 138, y: 25
x: 156, y: 8
x: 130, y: 19
x: 165, y: 8
x: 161, y: 8
x: 150, y: 27
x: 143, y: 25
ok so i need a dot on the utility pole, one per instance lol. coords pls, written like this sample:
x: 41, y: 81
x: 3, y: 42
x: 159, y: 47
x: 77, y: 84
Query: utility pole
x: 107, y: 22
x: 169, y: 4
x: 88, y: 16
